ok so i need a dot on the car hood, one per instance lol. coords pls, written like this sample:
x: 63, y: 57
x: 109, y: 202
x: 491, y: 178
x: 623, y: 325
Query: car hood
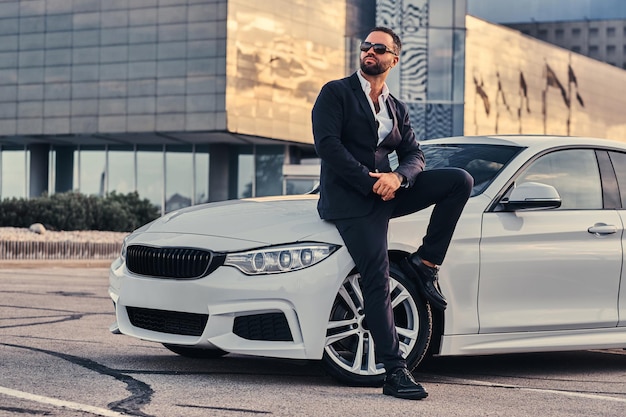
x: 270, y: 220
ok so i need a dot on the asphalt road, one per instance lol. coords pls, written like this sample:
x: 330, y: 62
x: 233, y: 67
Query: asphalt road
x: 57, y: 358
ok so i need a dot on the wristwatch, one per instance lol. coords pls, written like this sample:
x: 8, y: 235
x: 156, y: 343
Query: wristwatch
x: 404, y: 183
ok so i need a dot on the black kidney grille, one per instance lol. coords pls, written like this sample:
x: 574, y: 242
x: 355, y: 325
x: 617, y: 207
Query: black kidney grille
x: 178, y: 263
x: 172, y: 322
x: 268, y: 326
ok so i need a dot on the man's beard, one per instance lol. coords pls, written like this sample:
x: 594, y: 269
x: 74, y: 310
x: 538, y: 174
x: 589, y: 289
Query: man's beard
x: 373, y: 69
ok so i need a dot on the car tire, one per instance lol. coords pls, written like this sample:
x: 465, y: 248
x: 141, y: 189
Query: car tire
x: 346, y: 334
x: 196, y: 353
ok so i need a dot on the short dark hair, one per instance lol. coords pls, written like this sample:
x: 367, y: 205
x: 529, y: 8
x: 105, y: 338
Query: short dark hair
x: 396, y: 39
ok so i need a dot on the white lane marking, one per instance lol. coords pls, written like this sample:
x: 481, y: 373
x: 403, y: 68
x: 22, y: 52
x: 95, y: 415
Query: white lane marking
x: 60, y: 403
x: 551, y: 391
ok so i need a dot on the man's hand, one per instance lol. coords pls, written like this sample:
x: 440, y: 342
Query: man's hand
x: 387, y: 184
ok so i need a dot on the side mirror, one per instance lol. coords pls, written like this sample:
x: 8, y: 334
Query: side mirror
x: 532, y: 196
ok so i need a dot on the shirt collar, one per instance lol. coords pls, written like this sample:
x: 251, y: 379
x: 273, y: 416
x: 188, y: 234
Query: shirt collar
x: 367, y: 87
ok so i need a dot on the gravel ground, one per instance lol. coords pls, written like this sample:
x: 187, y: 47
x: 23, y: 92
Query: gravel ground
x: 15, y: 234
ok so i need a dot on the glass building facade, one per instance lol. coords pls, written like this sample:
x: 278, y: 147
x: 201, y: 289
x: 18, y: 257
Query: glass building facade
x: 192, y: 101
x: 518, y: 84
x: 189, y: 101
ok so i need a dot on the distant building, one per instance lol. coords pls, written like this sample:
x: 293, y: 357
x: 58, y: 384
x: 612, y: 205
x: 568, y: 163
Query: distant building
x: 603, y: 40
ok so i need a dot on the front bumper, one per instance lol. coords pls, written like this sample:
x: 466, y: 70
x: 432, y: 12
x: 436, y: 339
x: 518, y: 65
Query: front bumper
x: 280, y: 315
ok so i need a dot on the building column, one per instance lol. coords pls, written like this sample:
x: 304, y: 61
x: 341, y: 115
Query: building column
x: 218, y: 172
x: 64, y: 169
x: 39, y: 156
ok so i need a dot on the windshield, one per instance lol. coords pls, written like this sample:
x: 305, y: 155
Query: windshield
x: 483, y: 162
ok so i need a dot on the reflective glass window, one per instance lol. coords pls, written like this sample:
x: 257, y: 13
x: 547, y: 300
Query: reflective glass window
x: 575, y: 175
x: 86, y: 20
x: 139, y: 17
x: 14, y: 175
x: 201, y: 176
x: 31, y: 58
x: 458, y: 81
x: 142, y: 34
x: 89, y: 170
x: 86, y: 5
x: 243, y: 166
x: 121, y: 170
x: 58, y: 22
x: 269, y: 170
x: 169, y: 33
x: 460, y: 10
x: 299, y: 185
x: 32, y: 41
x: 440, y: 13
x: 172, y: 50
x: 30, y: 92
x: 440, y: 60
x: 482, y: 162
x: 175, y: 14
x: 8, y: 60
x: 114, y: 54
x: 32, y: 24
x: 150, y: 174
x: 618, y: 160
x: 87, y: 37
x: 178, y: 177
x: 114, y: 19
x: 59, y: 40
x: 9, y: 43
x: 8, y: 26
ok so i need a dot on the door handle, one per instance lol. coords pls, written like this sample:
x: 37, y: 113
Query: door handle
x: 600, y: 229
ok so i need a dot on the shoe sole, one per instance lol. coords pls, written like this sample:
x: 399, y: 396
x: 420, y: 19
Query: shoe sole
x: 408, y: 269
x: 405, y: 396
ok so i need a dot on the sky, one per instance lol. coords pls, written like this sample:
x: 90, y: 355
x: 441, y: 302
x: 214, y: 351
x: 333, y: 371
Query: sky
x: 511, y: 11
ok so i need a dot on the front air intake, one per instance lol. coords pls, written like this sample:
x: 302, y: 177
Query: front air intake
x: 172, y: 322
x: 267, y: 326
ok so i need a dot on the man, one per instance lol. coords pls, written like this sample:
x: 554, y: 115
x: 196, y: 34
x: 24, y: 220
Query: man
x: 356, y: 125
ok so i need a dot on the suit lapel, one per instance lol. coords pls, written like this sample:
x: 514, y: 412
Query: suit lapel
x: 363, y: 103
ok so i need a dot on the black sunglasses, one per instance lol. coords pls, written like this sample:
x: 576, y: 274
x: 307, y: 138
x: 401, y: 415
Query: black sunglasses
x: 379, y: 48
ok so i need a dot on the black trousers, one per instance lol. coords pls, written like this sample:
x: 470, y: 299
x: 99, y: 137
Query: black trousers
x: 366, y: 240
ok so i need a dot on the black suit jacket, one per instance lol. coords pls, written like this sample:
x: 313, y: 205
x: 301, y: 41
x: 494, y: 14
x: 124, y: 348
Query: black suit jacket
x: 345, y: 134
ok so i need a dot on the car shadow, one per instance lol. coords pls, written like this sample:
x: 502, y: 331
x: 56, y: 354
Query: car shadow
x: 530, y: 364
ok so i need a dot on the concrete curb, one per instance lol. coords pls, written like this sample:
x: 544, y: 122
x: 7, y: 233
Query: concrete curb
x: 55, y: 263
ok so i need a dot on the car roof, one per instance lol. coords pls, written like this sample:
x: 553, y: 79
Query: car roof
x: 529, y: 141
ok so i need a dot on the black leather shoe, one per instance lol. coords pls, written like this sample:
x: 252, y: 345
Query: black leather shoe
x: 401, y: 384
x: 426, y: 278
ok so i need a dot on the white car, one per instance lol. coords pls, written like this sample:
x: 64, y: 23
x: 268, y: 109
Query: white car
x: 535, y: 265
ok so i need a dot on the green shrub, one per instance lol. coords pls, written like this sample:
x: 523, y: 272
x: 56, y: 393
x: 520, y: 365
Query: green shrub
x: 75, y: 211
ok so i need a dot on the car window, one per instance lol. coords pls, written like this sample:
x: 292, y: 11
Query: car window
x: 483, y: 162
x: 575, y: 175
x: 618, y: 160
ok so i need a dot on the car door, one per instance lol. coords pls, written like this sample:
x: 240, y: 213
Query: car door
x: 618, y: 162
x: 554, y: 268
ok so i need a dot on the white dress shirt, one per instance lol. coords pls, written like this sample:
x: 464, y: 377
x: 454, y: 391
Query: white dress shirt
x: 384, y: 121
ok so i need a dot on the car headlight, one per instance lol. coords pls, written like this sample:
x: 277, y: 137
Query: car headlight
x: 123, y: 249
x: 278, y: 259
